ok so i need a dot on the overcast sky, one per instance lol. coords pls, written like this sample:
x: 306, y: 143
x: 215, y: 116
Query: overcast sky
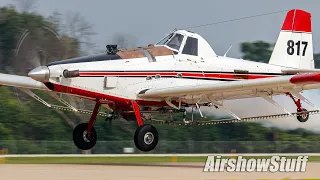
x: 151, y: 20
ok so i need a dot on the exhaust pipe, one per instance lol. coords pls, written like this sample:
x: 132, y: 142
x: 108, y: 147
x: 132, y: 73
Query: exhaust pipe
x: 71, y: 74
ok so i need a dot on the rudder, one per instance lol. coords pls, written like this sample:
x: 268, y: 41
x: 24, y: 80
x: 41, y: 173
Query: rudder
x: 294, y: 47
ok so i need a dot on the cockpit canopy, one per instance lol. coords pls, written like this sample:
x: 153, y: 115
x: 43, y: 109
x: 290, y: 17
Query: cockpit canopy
x: 188, y: 43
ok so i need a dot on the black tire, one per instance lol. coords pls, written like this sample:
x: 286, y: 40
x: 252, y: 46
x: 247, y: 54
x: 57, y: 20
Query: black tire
x: 146, y: 137
x: 81, y: 139
x: 303, y: 117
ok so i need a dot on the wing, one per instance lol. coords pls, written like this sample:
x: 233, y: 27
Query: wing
x: 238, y: 89
x: 21, y: 82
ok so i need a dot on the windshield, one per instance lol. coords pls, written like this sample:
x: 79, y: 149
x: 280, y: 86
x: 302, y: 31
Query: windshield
x: 175, y: 42
x: 165, y: 40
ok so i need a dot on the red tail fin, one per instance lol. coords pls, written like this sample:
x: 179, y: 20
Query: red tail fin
x: 294, y: 46
x: 297, y: 21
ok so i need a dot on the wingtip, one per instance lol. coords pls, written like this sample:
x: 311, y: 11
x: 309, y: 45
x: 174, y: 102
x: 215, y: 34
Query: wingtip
x: 297, y: 20
x: 307, y: 78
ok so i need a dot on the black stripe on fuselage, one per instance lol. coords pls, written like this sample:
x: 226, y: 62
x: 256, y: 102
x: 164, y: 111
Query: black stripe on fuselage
x: 100, y: 57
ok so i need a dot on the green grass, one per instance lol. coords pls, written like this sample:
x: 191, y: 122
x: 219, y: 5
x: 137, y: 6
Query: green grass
x: 102, y: 160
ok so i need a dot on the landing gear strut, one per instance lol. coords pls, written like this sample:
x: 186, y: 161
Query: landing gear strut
x: 146, y: 136
x: 304, y: 116
x: 84, y: 135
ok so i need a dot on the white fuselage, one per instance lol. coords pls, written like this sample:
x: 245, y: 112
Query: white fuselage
x: 125, y: 78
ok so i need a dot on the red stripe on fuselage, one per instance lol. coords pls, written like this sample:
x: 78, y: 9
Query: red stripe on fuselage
x: 86, y: 93
x: 184, y: 74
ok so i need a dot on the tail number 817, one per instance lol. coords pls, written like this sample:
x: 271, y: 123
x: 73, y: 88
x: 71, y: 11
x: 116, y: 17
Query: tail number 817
x: 297, y: 46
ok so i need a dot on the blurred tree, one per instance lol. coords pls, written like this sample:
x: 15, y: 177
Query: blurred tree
x: 9, y: 25
x: 76, y: 27
x: 24, y: 44
x: 259, y: 51
x: 26, y: 6
x: 316, y: 58
x: 55, y: 20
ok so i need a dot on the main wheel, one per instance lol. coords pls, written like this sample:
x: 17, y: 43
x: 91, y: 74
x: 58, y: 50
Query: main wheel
x: 81, y: 138
x: 303, y: 117
x: 146, y: 137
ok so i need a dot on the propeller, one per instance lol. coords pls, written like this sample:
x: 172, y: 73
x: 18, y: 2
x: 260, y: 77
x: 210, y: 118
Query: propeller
x: 35, y: 48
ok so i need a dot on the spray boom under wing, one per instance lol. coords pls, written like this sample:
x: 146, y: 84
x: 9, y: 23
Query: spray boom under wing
x: 296, y: 71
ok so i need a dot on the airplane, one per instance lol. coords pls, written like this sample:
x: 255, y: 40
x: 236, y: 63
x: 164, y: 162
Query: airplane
x: 180, y: 71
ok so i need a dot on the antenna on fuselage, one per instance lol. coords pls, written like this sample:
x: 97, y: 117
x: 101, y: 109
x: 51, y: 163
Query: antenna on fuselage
x: 174, y: 30
x: 225, y: 55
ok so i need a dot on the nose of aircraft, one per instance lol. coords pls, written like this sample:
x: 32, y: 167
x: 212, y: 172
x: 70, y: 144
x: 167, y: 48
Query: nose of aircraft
x: 41, y: 73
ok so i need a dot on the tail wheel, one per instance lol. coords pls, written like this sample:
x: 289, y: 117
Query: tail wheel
x: 303, y: 117
x: 146, y: 137
x: 81, y: 138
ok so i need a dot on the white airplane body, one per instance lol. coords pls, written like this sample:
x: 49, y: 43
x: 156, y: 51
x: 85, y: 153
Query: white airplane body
x: 180, y: 71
